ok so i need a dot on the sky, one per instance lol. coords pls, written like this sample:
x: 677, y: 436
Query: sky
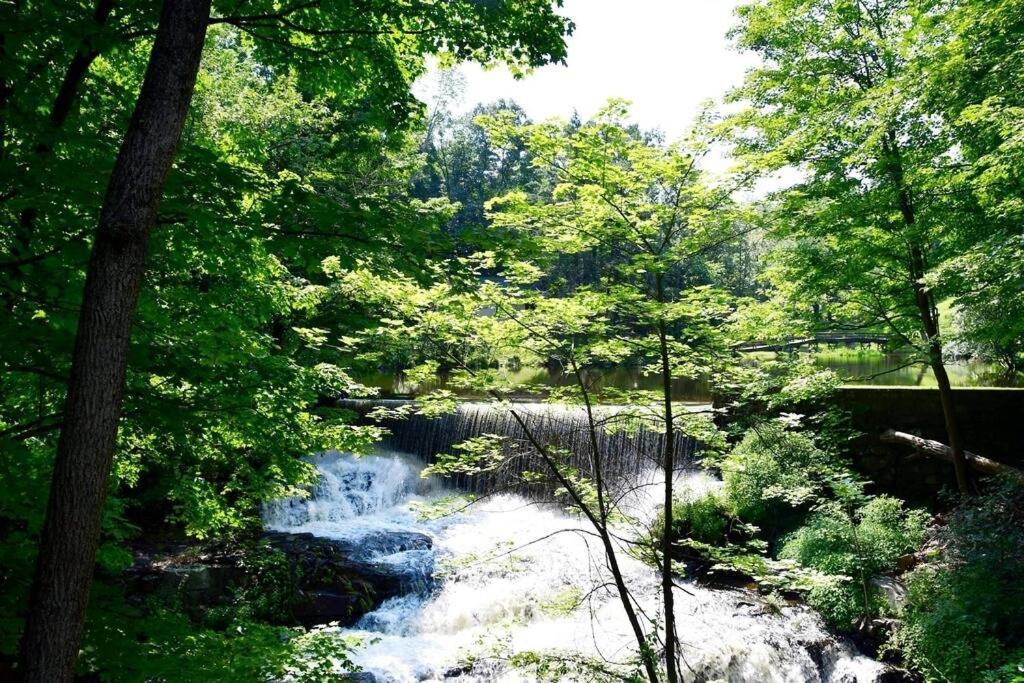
x: 666, y: 56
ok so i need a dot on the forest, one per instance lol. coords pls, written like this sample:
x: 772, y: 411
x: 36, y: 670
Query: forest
x: 313, y: 371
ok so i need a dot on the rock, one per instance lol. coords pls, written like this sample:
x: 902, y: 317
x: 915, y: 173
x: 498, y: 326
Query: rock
x: 361, y: 677
x: 458, y: 671
x: 191, y: 585
x: 893, y: 589
x: 406, y: 565
x: 381, y: 543
x: 337, y: 580
x: 325, y: 606
x: 905, y: 563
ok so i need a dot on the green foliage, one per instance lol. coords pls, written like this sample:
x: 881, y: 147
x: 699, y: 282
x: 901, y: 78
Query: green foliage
x: 270, y: 586
x: 296, y: 161
x: 964, y: 616
x: 849, y: 547
x: 705, y: 519
x: 771, y: 466
x: 867, y: 543
x: 165, y: 646
x: 883, y: 221
x: 473, y: 456
x: 840, y: 601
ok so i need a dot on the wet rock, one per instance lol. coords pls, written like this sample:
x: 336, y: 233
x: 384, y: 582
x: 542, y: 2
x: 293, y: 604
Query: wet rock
x: 458, y: 671
x: 324, y: 606
x: 893, y: 589
x: 906, y: 562
x: 361, y: 677
x: 190, y: 581
x: 335, y: 580
x: 324, y: 561
x: 380, y: 543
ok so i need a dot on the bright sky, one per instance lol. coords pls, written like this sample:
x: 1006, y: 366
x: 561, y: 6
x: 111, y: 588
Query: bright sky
x: 666, y: 56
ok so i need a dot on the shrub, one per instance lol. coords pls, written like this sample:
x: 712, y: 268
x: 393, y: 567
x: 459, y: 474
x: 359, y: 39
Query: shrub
x: 850, y: 548
x: 704, y: 519
x: 839, y: 601
x: 964, y: 616
x: 771, y: 465
x: 867, y: 542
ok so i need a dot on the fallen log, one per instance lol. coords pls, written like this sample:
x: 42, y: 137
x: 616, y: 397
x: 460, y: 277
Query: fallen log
x: 944, y: 452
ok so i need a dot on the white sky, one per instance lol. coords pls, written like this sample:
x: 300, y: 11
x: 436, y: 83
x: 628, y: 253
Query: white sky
x: 666, y: 56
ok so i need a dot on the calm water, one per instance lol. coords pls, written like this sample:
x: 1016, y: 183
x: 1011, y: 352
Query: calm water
x: 889, y: 369
x: 867, y: 368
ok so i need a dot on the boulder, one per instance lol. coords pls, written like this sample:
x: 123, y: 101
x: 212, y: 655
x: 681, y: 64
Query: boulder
x: 324, y: 607
x: 336, y: 580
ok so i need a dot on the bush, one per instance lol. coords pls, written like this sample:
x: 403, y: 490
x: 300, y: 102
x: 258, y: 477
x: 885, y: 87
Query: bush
x: 850, y: 548
x: 839, y: 601
x: 771, y: 465
x: 704, y: 519
x: 964, y: 616
x: 123, y: 644
x: 868, y: 542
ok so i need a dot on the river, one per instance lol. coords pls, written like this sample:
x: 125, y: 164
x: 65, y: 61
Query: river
x: 509, y: 576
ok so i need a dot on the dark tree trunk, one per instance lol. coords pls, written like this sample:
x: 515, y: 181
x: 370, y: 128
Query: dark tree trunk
x: 927, y: 311
x: 67, y: 551
x: 77, y: 69
x: 63, y: 103
x: 667, y: 595
x: 929, y: 320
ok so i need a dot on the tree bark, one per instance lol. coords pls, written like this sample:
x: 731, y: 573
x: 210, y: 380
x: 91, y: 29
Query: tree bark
x: 67, y: 550
x: 927, y: 311
x: 668, y: 597
x: 944, y: 452
x: 929, y: 320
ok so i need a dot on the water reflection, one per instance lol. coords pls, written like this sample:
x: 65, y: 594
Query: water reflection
x: 536, y: 380
x: 890, y: 369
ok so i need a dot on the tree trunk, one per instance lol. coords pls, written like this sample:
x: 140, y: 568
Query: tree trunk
x: 930, y: 323
x: 668, y: 597
x: 926, y: 310
x: 67, y: 550
x: 963, y: 478
x: 63, y: 103
x: 944, y: 452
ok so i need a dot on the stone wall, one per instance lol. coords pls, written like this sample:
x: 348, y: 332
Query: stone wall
x: 991, y: 420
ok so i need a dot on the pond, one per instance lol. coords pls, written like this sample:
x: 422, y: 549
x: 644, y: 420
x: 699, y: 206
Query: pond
x: 891, y: 369
x: 866, y: 367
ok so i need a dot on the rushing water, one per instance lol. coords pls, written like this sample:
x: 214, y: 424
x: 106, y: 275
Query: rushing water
x: 504, y: 577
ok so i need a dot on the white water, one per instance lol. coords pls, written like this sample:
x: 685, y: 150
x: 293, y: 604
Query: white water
x: 506, y: 568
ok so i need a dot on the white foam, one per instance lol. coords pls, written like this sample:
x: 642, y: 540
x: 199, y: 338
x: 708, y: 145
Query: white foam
x: 508, y: 567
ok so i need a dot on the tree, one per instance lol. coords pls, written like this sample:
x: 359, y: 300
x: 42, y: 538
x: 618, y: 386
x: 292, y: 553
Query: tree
x: 464, y: 165
x: 653, y: 217
x: 868, y: 227
x: 970, y: 57
x: 329, y: 52
x: 67, y: 551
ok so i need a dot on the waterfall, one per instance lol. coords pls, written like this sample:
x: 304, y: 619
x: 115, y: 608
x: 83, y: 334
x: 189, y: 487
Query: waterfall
x: 510, y: 576
x: 624, y: 454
